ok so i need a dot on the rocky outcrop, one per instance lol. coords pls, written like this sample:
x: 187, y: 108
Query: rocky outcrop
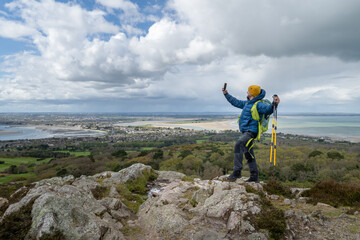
x: 68, y: 205
x: 201, y: 209
x: 95, y: 207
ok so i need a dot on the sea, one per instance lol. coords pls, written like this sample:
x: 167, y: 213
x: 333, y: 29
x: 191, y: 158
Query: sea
x: 328, y: 126
x: 333, y: 126
x: 8, y: 132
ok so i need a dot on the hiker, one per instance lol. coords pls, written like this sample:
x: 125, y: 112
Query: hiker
x: 249, y: 129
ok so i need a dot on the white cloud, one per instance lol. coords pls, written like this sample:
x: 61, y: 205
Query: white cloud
x: 184, y: 58
x: 125, y: 5
x: 15, y: 30
x: 278, y: 28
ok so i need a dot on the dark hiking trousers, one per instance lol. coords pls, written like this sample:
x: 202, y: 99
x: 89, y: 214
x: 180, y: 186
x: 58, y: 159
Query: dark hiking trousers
x: 244, y: 146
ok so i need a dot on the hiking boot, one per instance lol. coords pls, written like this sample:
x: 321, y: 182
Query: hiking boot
x: 235, y: 175
x: 253, y: 178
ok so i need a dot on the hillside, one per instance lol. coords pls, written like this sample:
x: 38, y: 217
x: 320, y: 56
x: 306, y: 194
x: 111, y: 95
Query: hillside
x: 118, y: 205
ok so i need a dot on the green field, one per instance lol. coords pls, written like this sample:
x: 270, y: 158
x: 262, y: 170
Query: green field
x: 77, y: 154
x: 17, y: 162
x: 147, y: 148
x: 22, y: 175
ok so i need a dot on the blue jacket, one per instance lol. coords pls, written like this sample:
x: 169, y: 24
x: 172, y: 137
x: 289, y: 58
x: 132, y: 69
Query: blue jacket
x: 246, y: 122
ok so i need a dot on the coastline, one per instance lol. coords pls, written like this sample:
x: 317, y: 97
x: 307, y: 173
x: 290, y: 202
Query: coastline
x: 7, y: 133
x: 59, y: 129
x: 34, y: 131
x: 232, y: 125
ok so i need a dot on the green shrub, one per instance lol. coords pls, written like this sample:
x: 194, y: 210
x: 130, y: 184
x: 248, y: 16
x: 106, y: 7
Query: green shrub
x: 301, y: 167
x: 61, y: 172
x: 16, y: 225
x: 334, y: 193
x: 119, y: 153
x: 274, y: 186
x: 335, y: 155
x: 315, y: 153
x: 270, y: 218
x: 58, y: 235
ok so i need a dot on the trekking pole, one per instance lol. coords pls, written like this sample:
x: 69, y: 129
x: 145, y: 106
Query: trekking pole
x: 275, y: 135
x: 272, y: 138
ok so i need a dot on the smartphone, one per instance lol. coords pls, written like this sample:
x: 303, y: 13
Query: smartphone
x: 225, y: 86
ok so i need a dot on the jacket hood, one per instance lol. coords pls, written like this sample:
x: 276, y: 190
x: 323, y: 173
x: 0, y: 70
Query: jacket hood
x: 259, y: 97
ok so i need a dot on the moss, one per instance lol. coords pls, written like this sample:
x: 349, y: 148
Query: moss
x: 131, y: 231
x: 188, y: 179
x: 139, y: 185
x: 274, y: 186
x: 16, y: 225
x: 131, y: 200
x: 250, y: 189
x: 100, y: 192
x: 132, y: 192
x: 188, y: 195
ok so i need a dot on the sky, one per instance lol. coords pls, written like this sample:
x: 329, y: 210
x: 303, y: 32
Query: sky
x: 175, y: 55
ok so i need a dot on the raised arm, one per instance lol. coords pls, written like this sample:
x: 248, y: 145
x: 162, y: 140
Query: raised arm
x: 235, y: 102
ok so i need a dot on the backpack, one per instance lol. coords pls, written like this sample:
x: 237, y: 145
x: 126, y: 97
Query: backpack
x: 263, y: 120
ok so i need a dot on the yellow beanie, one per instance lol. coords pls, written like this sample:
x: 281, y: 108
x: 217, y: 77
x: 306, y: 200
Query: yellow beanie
x: 254, y: 90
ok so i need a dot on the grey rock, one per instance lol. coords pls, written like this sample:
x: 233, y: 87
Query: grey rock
x: 302, y: 199
x: 205, y: 234
x: 289, y: 213
x: 120, y: 214
x: 73, y: 212
x: 298, y: 191
x: 344, y: 215
x: 169, y: 175
x: 256, y: 186
x: 68, y: 205
x: 4, y: 203
x: 234, y: 220
x: 112, y: 203
x: 246, y: 227
x: 113, y: 192
x: 201, y: 195
x: 110, y: 178
x: 319, y: 204
x: 56, y: 181
x: 86, y: 183
x: 273, y: 197
x: 257, y: 236
x: 167, y: 218
x: 287, y: 201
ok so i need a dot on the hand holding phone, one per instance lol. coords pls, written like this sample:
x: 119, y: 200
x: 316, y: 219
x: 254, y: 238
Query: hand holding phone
x: 224, y: 89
